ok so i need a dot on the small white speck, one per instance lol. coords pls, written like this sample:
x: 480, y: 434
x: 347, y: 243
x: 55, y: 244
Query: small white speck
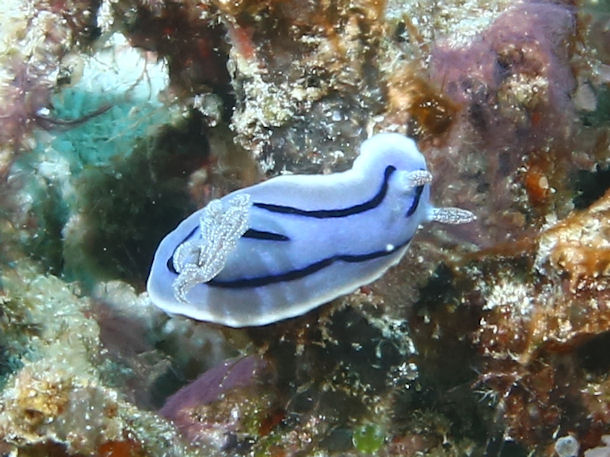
x: 567, y: 446
x: 389, y: 247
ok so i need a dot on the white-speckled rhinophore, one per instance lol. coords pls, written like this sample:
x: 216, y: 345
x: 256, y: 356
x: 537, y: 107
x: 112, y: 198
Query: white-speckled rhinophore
x: 282, y: 247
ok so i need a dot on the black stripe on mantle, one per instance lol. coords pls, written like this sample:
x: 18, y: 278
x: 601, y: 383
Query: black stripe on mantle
x: 250, y: 233
x: 415, y: 203
x: 342, y: 212
x: 299, y: 273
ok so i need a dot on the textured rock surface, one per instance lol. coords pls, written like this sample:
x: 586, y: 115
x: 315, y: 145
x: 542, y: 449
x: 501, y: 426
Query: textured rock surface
x: 121, y: 116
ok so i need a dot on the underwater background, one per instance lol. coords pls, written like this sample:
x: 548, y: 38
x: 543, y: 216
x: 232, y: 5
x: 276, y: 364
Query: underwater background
x: 118, y: 118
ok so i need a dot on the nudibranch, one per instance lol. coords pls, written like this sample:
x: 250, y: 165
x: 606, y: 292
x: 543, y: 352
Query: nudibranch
x: 282, y: 247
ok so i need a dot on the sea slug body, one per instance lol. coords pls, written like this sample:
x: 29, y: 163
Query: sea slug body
x: 282, y: 247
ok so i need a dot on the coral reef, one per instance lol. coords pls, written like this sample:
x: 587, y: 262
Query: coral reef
x: 513, y: 83
x: 535, y: 311
x: 58, y: 396
x: 321, y: 102
x: 120, y: 117
x: 35, y: 37
x: 221, y: 406
x: 300, y: 396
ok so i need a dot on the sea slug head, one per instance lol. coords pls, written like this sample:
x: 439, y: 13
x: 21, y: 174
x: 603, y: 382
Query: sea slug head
x: 412, y: 176
x: 387, y: 148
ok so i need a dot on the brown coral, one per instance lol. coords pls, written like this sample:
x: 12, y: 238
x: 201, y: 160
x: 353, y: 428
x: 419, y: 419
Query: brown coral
x: 296, y: 114
x: 536, y: 328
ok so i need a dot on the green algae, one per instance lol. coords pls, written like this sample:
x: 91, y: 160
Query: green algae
x: 94, y: 194
x: 115, y: 234
x: 368, y: 438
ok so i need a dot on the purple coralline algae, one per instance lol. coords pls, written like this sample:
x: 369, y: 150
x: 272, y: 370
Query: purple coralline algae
x: 514, y: 85
x: 218, y: 407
